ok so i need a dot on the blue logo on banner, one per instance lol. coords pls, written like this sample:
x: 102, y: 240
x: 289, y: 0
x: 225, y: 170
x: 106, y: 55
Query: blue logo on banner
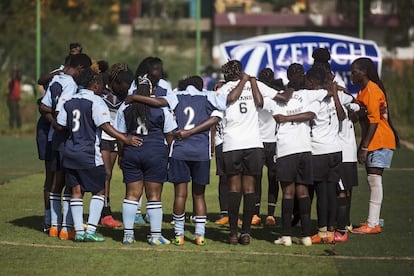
x: 280, y: 50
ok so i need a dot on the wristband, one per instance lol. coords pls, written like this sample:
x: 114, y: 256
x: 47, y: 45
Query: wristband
x: 364, y: 148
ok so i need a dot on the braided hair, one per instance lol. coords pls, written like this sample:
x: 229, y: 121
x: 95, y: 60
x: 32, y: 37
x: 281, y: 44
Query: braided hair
x: 232, y: 70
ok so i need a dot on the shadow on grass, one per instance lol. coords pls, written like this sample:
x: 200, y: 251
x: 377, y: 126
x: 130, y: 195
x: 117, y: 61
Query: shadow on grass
x: 218, y: 233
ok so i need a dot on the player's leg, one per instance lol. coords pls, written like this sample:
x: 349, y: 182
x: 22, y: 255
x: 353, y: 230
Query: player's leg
x: 288, y: 189
x: 109, y: 158
x: 154, y: 210
x: 129, y: 206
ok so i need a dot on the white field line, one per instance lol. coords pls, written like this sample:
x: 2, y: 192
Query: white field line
x: 252, y: 253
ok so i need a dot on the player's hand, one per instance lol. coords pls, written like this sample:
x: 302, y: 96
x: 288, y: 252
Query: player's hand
x: 129, y: 99
x: 245, y: 77
x: 133, y: 141
x: 362, y: 156
x: 182, y: 134
x: 280, y: 118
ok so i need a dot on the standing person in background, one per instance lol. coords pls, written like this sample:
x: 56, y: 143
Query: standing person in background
x: 379, y: 139
x: 119, y: 78
x: 13, y: 97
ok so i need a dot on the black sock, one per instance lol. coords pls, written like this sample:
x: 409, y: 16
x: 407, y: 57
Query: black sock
x: 248, y: 212
x: 287, y: 212
x: 234, y: 205
x: 342, y: 212
x: 304, y: 210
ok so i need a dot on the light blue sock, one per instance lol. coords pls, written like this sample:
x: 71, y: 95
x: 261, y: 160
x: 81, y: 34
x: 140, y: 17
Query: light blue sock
x: 76, y: 207
x: 95, y: 210
x: 154, y: 210
x: 179, y: 224
x: 129, y: 208
x: 55, y: 209
x: 200, y: 225
x: 67, y: 220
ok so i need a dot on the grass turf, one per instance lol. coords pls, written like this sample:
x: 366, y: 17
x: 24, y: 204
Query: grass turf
x: 24, y: 249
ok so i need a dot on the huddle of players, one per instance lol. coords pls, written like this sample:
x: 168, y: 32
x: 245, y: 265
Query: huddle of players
x: 309, y: 116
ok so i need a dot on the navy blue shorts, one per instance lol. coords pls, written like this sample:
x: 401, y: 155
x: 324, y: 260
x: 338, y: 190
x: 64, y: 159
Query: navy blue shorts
x: 44, y: 148
x: 147, y: 164
x: 91, y: 180
x: 109, y: 145
x: 181, y: 171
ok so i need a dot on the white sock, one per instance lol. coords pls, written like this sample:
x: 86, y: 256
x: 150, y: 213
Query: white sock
x: 375, y: 200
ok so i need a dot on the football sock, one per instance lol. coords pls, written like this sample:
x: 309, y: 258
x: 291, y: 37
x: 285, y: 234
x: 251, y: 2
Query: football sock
x: 287, y: 212
x: 348, y: 208
x: 95, y: 210
x: 375, y: 200
x: 67, y: 220
x: 76, y: 207
x: 55, y: 209
x: 178, y: 224
x: 304, y: 211
x: 234, y: 205
x: 154, y: 211
x: 129, y: 208
x: 106, y: 210
x: 200, y: 225
x: 139, y: 206
x: 248, y: 212
x: 341, y: 216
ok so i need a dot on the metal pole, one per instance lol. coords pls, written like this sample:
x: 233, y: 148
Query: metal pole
x: 198, y: 37
x: 38, y: 37
x: 361, y: 19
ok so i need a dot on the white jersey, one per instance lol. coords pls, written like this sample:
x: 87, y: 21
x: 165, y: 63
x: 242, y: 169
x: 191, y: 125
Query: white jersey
x: 294, y: 137
x: 241, y: 123
x: 267, y: 125
x: 218, y: 137
x: 325, y: 128
x: 346, y: 132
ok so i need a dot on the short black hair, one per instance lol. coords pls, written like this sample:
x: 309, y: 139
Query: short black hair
x: 74, y: 45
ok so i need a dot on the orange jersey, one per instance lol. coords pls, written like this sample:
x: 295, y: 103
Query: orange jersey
x: 373, y: 99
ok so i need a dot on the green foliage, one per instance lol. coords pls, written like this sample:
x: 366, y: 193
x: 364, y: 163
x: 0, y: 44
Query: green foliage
x: 400, y: 94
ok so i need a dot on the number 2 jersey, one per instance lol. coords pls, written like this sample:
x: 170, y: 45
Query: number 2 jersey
x: 83, y: 115
x: 191, y: 107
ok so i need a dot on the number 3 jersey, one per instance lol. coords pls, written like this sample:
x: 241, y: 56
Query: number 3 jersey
x: 83, y: 115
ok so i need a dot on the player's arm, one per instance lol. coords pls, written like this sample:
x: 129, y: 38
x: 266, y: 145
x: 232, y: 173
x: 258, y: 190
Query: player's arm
x: 285, y: 96
x: 206, y: 124
x: 129, y: 140
x: 257, y: 96
x: 234, y: 95
x: 151, y: 101
x: 300, y: 117
x: 340, y: 112
x: 44, y: 79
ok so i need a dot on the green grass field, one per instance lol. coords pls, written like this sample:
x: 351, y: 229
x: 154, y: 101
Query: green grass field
x: 25, y: 250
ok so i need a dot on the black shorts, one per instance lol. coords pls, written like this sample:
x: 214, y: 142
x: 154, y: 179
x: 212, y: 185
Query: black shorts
x: 91, y: 180
x: 245, y: 161
x: 218, y: 152
x: 327, y: 167
x: 109, y: 145
x: 295, y: 168
x: 349, y: 176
